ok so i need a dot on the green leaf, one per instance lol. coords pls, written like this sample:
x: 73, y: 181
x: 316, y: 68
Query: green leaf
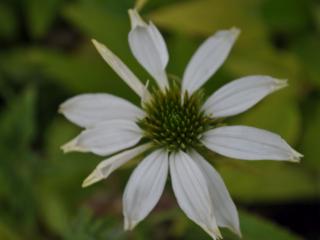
x: 254, y: 227
x: 17, y: 123
x: 96, y: 19
x: 85, y: 226
x: 308, y: 50
x: 59, y: 191
x: 287, y: 16
x: 310, y: 140
x: 53, y: 210
x: 7, y: 233
x: 204, y: 17
x: 84, y: 71
x: 41, y: 15
x: 267, y: 181
x: 8, y: 22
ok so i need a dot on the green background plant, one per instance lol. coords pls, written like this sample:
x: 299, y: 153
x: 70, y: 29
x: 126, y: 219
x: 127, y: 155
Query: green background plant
x: 46, y: 57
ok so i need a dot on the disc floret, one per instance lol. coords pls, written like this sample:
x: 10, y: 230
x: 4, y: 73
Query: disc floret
x: 174, y: 122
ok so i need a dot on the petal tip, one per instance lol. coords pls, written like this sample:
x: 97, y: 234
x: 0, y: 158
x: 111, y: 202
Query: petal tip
x: 72, y: 146
x: 94, y: 177
x: 100, y: 47
x: 61, y: 109
x: 97, y: 44
x: 213, y: 232
x: 216, y: 234
x: 238, y: 232
x: 135, y: 18
x: 68, y: 147
x: 129, y: 225
x: 296, y: 156
x: 280, y: 83
x: 235, y: 32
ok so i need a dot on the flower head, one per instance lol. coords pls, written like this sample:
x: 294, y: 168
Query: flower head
x: 172, y: 125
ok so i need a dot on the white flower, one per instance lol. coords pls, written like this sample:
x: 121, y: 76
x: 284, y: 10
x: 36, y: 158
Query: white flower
x: 172, y: 126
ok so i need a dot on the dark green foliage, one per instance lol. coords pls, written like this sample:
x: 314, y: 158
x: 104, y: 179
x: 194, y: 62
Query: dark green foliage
x: 46, y: 57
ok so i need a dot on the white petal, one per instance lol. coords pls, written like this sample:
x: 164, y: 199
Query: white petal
x: 191, y: 190
x: 225, y: 210
x: 88, y: 110
x: 120, y: 68
x: 208, y: 58
x: 249, y: 143
x: 106, y: 167
x: 108, y: 137
x: 135, y: 19
x: 146, y: 95
x: 72, y: 146
x: 144, y: 188
x: 240, y: 95
x: 149, y: 48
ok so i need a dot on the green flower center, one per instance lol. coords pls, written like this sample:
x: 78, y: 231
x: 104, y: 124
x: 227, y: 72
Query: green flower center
x: 174, y: 123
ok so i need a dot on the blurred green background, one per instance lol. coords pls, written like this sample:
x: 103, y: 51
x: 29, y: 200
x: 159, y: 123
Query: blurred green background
x: 46, y: 57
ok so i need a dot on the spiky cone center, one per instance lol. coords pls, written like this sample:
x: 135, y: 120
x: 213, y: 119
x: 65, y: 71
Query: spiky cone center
x: 173, y: 122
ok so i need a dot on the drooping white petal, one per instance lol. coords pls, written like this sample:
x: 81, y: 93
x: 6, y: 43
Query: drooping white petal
x: 149, y: 48
x: 88, y: 110
x: 120, y: 68
x: 108, y: 137
x: 106, y: 167
x: 249, y: 143
x: 208, y: 58
x: 225, y: 210
x: 144, y: 188
x: 191, y: 190
x: 240, y: 95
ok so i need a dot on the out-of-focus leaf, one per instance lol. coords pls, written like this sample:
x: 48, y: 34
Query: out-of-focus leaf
x: 139, y: 4
x: 84, y: 71
x: 18, y: 163
x: 40, y: 15
x: 54, y: 210
x: 17, y: 123
x: 181, y: 49
x: 252, y: 228
x: 97, y: 20
x: 62, y: 173
x: 287, y: 16
x: 267, y: 181
x: 316, y: 14
x: 84, y: 226
x: 204, y: 17
x: 308, y: 49
x: 310, y: 143
x: 8, y: 22
x: 20, y: 65
x: 7, y: 233
x: 70, y: 169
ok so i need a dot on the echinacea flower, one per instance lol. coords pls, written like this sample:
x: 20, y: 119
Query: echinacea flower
x: 171, y: 127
